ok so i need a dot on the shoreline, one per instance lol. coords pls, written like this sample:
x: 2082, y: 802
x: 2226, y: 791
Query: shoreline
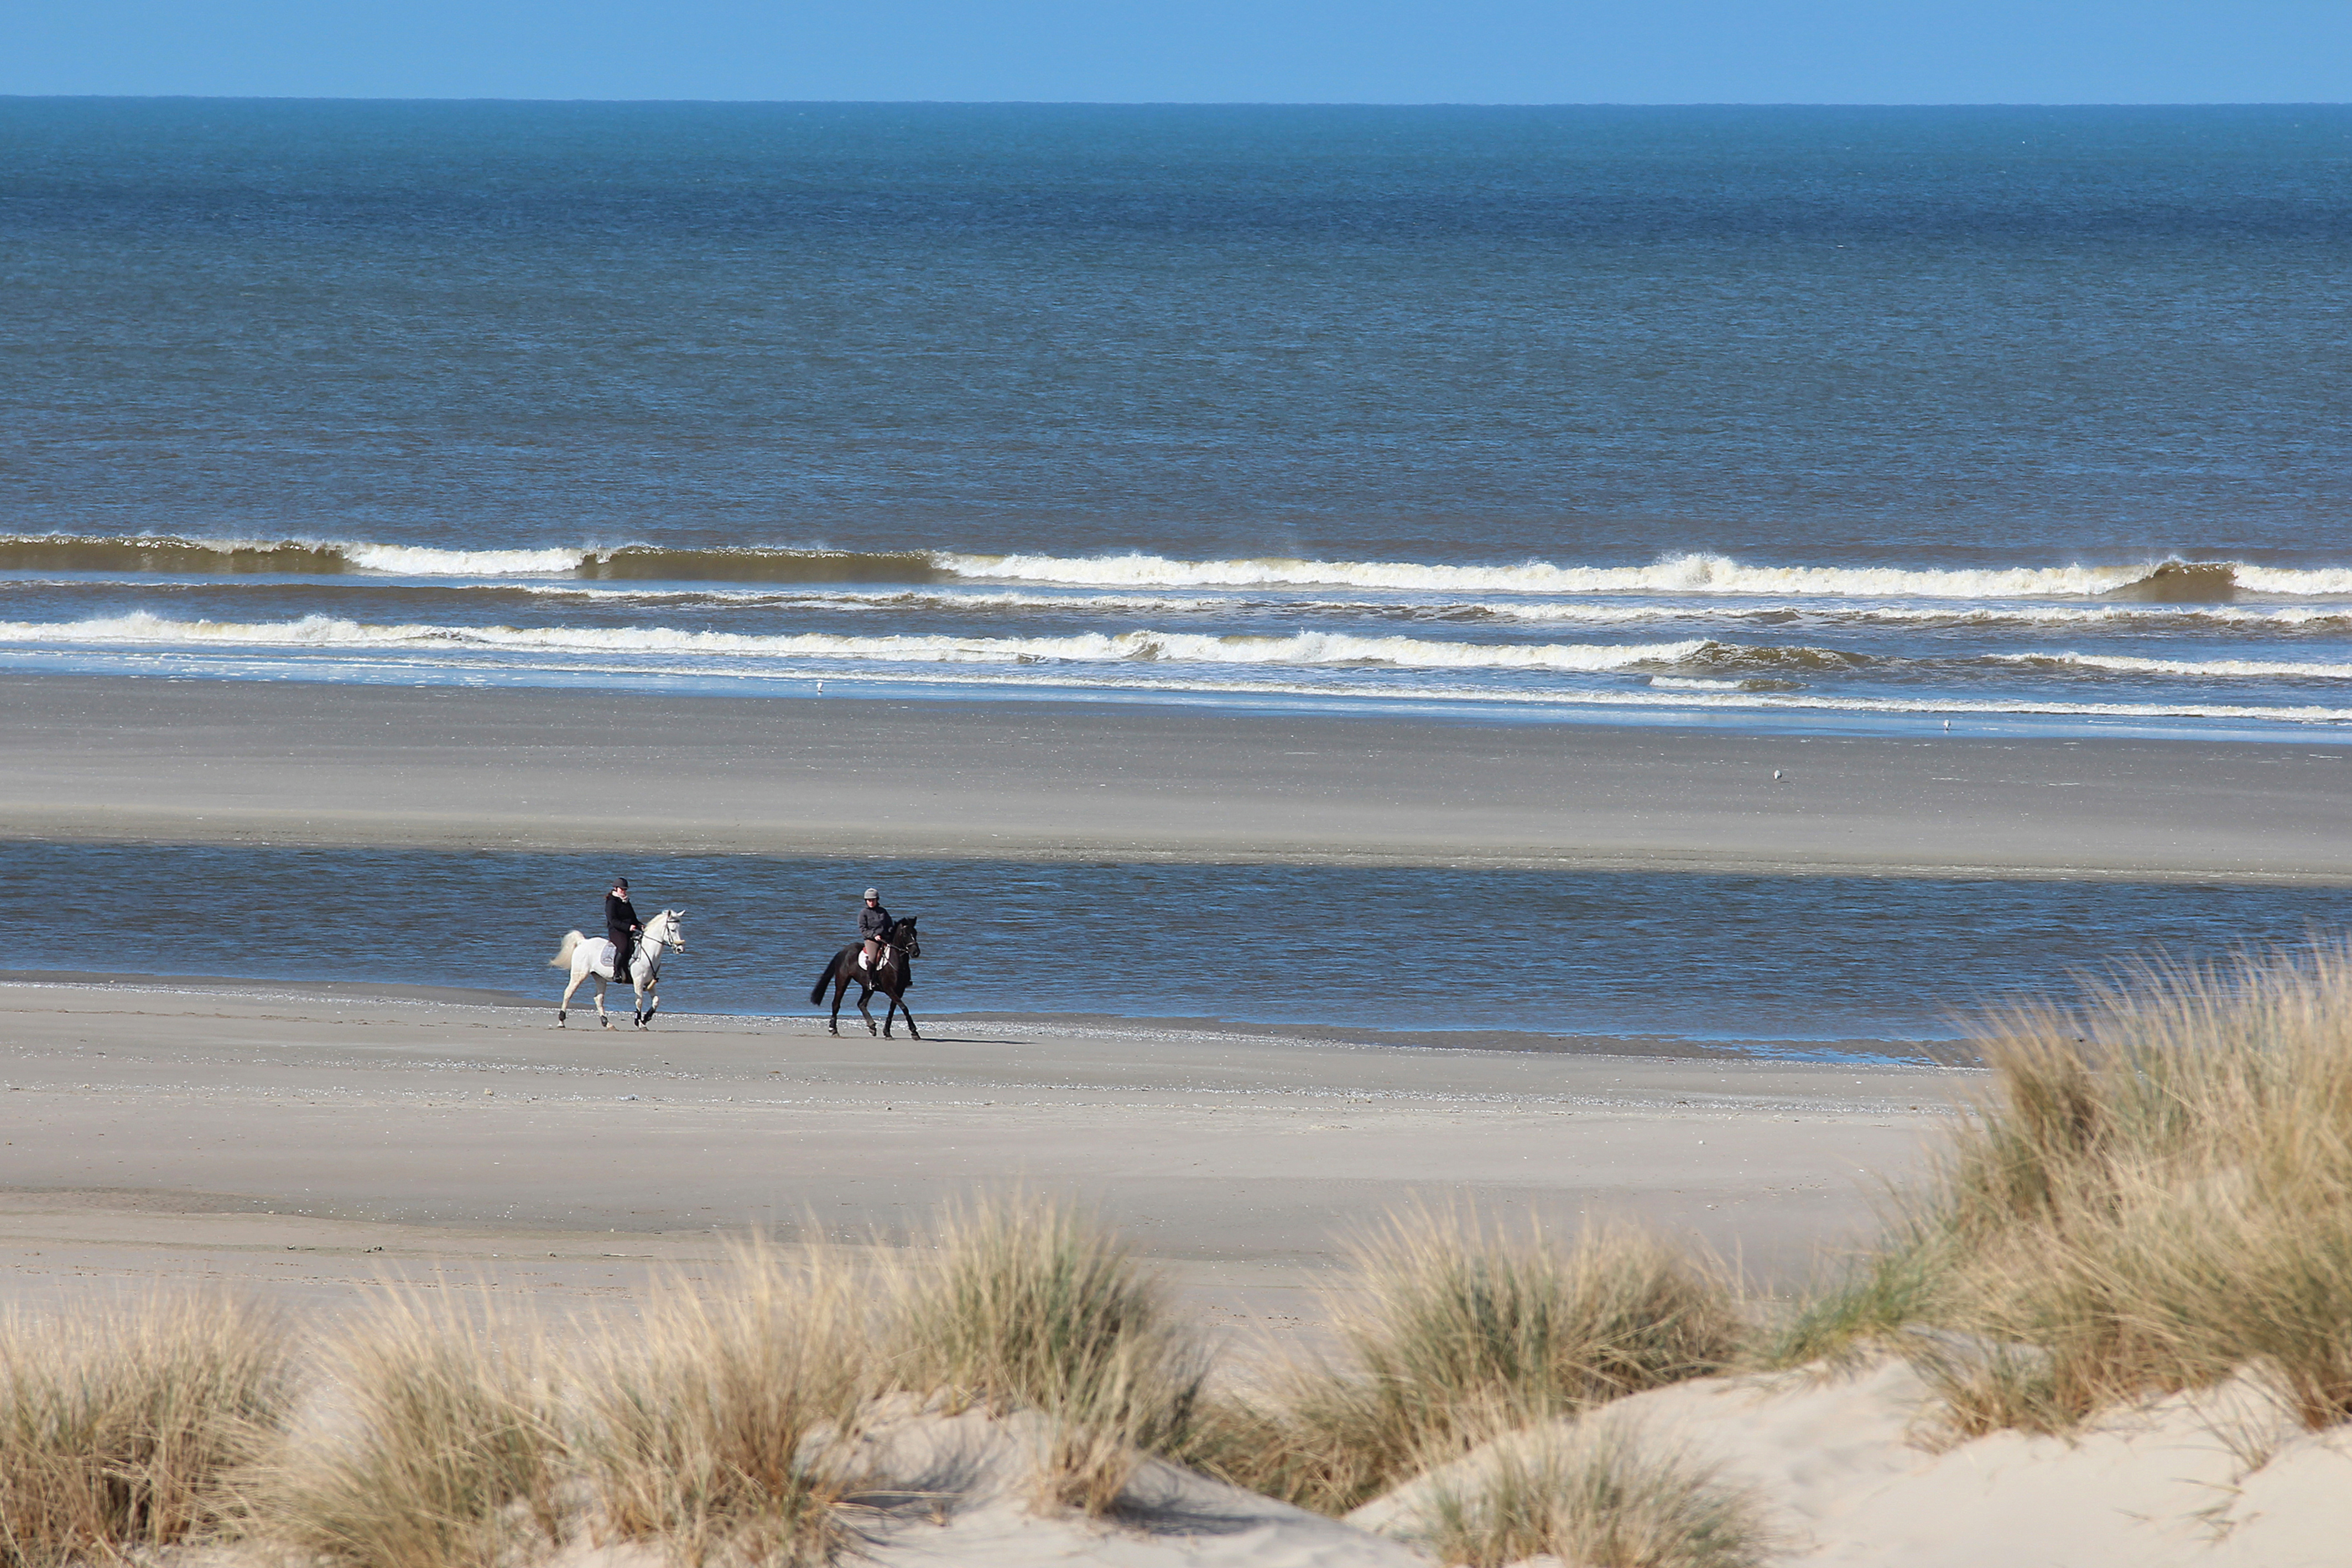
x: 1861, y: 1053
x: 133, y: 760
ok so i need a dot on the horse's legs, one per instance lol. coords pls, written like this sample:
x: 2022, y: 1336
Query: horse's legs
x: 865, y: 995
x: 909, y: 1012
x: 565, y: 1005
x: 600, y: 1003
x: 840, y: 990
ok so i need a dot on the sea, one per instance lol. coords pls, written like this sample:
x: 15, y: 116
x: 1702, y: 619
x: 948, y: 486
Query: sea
x: 2021, y: 421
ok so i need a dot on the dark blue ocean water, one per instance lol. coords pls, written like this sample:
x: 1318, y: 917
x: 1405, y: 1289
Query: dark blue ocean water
x: 1749, y: 415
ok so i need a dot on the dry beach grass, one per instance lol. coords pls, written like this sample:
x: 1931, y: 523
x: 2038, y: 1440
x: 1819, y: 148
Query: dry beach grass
x: 2148, y: 1200
x: 134, y: 1427
x: 1031, y: 1304
x: 1461, y: 1332
x: 1600, y: 1497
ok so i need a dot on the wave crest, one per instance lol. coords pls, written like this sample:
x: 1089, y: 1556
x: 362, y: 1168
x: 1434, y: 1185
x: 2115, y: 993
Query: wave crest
x: 1692, y: 575
x: 1323, y: 648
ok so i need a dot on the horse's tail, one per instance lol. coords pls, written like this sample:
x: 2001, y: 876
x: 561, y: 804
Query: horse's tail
x: 562, y: 959
x: 832, y: 966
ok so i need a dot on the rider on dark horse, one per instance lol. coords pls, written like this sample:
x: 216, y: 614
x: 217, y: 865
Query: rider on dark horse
x: 621, y: 926
x: 880, y: 960
x: 874, y: 928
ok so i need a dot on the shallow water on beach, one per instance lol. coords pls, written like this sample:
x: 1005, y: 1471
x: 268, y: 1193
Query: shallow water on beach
x: 1793, y: 417
x: 1703, y: 958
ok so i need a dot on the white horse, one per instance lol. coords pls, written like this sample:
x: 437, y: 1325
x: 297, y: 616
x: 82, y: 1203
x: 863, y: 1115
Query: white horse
x: 584, y: 957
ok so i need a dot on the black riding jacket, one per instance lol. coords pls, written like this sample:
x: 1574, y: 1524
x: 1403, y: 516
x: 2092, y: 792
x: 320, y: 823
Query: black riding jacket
x: 874, y: 924
x: 620, y: 917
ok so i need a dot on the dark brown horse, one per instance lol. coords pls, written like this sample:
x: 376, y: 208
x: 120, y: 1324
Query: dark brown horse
x: 891, y: 978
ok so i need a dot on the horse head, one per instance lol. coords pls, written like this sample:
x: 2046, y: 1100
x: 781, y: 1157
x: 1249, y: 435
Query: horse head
x: 664, y: 927
x: 902, y: 935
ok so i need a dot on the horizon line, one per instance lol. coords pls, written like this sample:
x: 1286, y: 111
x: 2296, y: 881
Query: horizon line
x: 1174, y: 103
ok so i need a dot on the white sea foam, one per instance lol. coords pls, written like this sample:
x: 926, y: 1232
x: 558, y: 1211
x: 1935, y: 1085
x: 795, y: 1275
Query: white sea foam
x: 1255, y: 664
x: 812, y: 597
x: 413, y: 560
x: 2334, y: 581
x: 1139, y: 646
x: 1697, y: 574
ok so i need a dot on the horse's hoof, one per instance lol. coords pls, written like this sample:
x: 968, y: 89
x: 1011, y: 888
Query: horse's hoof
x: 559, y: 1020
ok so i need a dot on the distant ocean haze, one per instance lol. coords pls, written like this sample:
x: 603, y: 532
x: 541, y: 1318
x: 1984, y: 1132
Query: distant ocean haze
x: 1800, y: 416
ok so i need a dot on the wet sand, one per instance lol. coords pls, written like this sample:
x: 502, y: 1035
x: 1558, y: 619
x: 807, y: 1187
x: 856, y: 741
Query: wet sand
x: 132, y: 760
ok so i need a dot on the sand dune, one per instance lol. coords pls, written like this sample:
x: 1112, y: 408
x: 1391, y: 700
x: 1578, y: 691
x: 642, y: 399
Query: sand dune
x: 1851, y: 1469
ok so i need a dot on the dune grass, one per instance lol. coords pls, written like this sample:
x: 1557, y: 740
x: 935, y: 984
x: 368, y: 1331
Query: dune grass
x: 1027, y: 1302
x: 452, y: 1451
x: 132, y: 1427
x: 1459, y: 1332
x: 719, y: 1430
x: 2152, y: 1199
x: 1596, y: 1496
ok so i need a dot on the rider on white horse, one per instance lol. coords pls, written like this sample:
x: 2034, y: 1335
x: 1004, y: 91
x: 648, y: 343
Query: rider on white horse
x: 640, y: 972
x: 621, y: 926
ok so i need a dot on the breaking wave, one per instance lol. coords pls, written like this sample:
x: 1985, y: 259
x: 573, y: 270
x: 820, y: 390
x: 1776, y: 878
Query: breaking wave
x: 2171, y: 582
x: 2165, y: 582
x: 173, y: 554
x: 1302, y: 648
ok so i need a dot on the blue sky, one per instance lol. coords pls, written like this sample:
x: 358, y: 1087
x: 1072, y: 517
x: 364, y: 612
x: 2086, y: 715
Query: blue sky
x: 1294, y: 51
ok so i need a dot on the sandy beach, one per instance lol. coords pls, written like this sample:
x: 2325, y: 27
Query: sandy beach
x: 222, y: 762
x: 308, y: 1142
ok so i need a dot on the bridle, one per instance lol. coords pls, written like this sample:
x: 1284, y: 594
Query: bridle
x: 654, y: 945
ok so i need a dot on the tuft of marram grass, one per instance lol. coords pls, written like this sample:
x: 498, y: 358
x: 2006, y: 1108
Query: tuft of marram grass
x: 2150, y: 1201
x: 1596, y: 1496
x: 717, y: 1431
x: 132, y: 1427
x: 451, y: 1453
x: 1029, y: 1302
x: 1459, y: 1333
